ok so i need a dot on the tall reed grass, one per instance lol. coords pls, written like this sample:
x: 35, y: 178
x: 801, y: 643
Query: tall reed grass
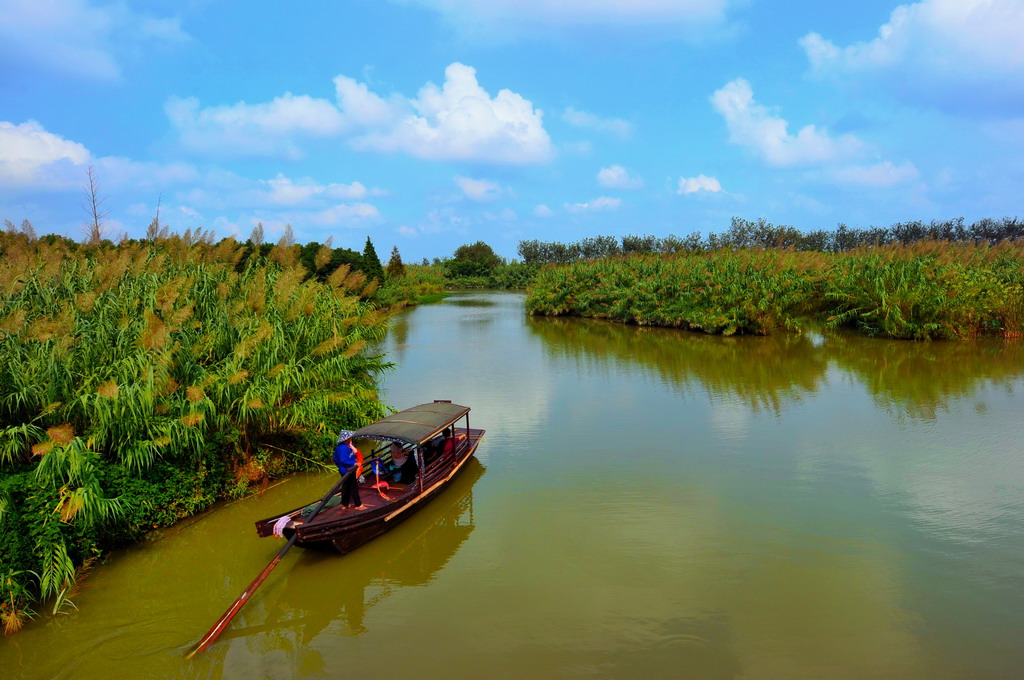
x: 924, y: 290
x: 118, y: 361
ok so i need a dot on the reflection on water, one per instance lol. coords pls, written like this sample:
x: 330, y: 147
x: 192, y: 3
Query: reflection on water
x: 413, y: 558
x: 399, y: 332
x: 763, y: 373
x: 912, y: 379
x: 471, y: 300
x: 151, y: 605
x: 920, y: 379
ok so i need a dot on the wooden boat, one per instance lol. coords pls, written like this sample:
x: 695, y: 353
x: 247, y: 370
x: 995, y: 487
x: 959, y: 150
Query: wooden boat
x: 412, y: 559
x: 441, y: 448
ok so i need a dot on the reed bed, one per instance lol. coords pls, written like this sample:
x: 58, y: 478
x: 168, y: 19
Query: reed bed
x: 924, y: 290
x: 140, y: 383
x: 417, y: 284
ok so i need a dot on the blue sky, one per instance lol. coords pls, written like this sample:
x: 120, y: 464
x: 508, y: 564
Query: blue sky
x: 431, y: 123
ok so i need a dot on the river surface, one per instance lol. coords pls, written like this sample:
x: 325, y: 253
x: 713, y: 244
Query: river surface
x: 647, y: 503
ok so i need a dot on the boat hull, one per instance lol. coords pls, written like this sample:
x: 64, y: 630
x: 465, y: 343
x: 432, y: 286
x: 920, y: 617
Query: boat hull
x: 342, y: 530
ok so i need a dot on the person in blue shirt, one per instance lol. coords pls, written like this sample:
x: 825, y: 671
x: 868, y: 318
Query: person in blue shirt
x: 347, y: 457
x: 404, y: 463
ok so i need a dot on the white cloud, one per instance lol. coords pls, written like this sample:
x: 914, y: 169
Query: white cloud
x: 346, y: 214
x: 529, y: 17
x: 457, y: 121
x: 617, y: 177
x: 600, y: 204
x: 955, y: 54
x: 407, y: 231
x: 77, y: 37
x: 543, y: 211
x: 883, y: 174
x: 31, y: 156
x: 220, y: 190
x: 582, y: 119
x: 363, y: 107
x: 268, y: 129
x: 752, y: 125
x: 478, y: 189
x: 285, y: 191
x: 460, y: 121
x: 691, y: 185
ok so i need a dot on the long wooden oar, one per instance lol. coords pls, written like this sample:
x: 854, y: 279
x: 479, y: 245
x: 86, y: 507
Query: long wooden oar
x: 222, y: 623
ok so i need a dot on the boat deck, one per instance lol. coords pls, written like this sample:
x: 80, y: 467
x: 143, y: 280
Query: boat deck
x: 374, y: 500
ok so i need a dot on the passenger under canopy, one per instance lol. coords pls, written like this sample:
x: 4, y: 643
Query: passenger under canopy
x: 413, y: 425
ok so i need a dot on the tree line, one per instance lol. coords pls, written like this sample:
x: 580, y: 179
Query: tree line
x: 743, y: 234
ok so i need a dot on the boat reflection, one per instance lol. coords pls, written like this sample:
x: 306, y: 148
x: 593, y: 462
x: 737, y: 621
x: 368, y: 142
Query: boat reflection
x: 328, y: 594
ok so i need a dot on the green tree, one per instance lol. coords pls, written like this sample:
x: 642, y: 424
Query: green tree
x: 396, y: 269
x: 371, y: 263
x: 475, y: 259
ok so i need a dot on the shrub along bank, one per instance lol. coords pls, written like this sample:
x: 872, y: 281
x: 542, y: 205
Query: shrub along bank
x: 924, y: 290
x: 140, y: 383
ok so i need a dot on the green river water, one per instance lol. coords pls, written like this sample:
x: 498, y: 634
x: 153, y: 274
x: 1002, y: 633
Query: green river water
x: 647, y: 503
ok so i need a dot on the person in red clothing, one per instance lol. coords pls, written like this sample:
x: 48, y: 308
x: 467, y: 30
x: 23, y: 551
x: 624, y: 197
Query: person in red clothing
x: 451, y: 441
x: 347, y: 457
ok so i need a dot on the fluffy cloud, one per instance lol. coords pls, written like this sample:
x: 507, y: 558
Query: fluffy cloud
x: 581, y: 119
x: 617, y: 177
x: 363, y: 107
x: 752, y: 125
x: 478, y: 189
x: 457, y: 121
x: 460, y: 121
x: 528, y: 17
x: 883, y: 174
x: 600, y: 204
x: 954, y: 54
x: 241, y: 129
x: 285, y: 191
x: 31, y: 156
x: 77, y: 37
x: 691, y: 185
x: 220, y: 190
x: 543, y: 211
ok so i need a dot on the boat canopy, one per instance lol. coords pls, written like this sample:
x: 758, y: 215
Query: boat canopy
x: 413, y: 425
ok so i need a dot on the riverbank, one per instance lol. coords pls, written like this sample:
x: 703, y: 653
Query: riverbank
x: 924, y: 290
x: 143, y: 382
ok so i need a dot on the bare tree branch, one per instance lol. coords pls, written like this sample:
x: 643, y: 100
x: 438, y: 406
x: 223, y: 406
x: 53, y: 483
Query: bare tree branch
x: 93, y: 206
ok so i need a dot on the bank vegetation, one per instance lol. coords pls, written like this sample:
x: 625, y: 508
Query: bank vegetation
x: 141, y: 382
x: 925, y: 289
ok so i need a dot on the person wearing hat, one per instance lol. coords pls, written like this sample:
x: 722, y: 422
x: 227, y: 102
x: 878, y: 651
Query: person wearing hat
x: 347, y: 457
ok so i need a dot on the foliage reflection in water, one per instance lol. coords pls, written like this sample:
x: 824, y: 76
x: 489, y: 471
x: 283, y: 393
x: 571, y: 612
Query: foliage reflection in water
x: 915, y: 378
